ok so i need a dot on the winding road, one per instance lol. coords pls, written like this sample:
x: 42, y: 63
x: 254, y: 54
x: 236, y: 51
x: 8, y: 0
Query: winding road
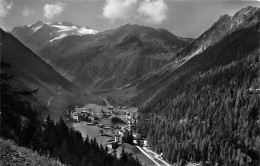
x: 49, y: 101
x: 147, y: 155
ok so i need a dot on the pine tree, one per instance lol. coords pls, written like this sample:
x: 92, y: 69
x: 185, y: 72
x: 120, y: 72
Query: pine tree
x: 123, y: 156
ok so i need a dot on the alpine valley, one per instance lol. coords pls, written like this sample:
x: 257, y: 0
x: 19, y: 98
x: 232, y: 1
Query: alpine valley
x: 109, y: 60
x: 195, y: 101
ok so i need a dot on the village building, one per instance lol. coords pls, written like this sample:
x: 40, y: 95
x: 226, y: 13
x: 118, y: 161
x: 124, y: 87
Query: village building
x: 136, y: 135
x: 113, y: 145
x: 118, y: 139
x: 109, y: 146
x: 84, y: 113
x: 121, y: 132
x: 91, y: 118
x: 135, y: 142
x: 75, y: 116
x: 145, y: 143
x: 129, y: 123
x: 107, y: 127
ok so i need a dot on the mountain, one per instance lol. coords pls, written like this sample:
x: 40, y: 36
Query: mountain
x: 208, y: 110
x: 113, y: 58
x: 147, y: 86
x: 37, y: 35
x: 31, y: 72
x: 134, y: 60
x: 225, y: 25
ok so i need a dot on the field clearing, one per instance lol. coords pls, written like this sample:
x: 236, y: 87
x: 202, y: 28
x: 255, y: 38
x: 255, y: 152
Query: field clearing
x: 131, y: 110
x: 105, y: 121
x: 95, y: 108
x: 92, y: 132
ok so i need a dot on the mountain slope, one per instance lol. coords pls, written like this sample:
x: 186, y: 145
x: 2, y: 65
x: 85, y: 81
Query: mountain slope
x: 212, y: 104
x: 147, y: 86
x: 113, y: 58
x: 31, y: 72
x: 226, y: 24
x: 37, y: 35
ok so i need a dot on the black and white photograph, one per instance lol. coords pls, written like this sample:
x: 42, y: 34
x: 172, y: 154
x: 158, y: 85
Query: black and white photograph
x: 130, y: 82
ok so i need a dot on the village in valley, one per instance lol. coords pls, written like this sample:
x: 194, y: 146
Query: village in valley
x: 111, y: 122
x: 113, y: 127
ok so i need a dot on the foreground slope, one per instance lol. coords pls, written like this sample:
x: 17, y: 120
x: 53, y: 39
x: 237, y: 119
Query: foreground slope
x: 30, y: 72
x: 12, y: 154
x: 212, y: 104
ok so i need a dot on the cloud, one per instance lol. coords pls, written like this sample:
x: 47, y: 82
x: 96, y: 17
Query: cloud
x: 154, y: 11
x: 27, y: 11
x: 5, y: 7
x: 118, y: 9
x: 51, y: 10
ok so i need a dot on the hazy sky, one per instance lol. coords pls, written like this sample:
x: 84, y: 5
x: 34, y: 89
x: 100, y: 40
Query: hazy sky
x: 185, y: 18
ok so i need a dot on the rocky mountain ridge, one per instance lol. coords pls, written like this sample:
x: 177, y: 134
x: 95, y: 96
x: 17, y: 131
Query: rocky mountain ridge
x: 36, y: 35
x: 113, y: 58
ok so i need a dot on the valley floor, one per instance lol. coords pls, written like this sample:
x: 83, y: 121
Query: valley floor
x: 93, y: 131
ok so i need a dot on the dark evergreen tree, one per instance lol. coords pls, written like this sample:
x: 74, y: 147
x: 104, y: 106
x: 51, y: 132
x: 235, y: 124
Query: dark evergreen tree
x: 212, y: 113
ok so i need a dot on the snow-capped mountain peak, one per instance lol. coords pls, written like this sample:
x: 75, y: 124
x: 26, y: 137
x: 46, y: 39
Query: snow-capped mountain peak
x: 47, y: 32
x: 62, y: 29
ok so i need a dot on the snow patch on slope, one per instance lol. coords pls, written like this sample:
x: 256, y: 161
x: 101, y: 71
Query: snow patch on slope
x: 63, y: 28
x: 74, y: 29
x: 85, y: 31
x: 59, y: 37
x: 36, y: 28
x: 63, y: 31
